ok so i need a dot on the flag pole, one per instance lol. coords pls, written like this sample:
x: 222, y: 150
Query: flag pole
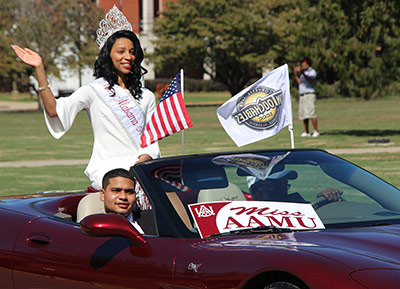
x: 290, y: 128
x: 183, y: 131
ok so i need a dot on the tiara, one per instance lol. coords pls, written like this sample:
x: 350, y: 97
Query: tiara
x: 113, y: 21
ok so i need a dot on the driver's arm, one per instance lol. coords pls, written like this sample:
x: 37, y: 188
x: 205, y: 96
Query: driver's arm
x: 333, y: 195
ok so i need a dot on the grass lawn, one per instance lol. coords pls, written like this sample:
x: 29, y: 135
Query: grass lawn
x: 343, y: 123
x: 26, y: 180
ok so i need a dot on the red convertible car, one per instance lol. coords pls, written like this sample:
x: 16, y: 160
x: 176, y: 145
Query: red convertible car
x: 284, y: 219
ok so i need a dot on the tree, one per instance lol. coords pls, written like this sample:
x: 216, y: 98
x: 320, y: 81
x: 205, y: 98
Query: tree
x: 39, y: 25
x: 231, y: 41
x: 61, y: 31
x: 10, y: 68
x: 82, y: 21
x: 355, y: 45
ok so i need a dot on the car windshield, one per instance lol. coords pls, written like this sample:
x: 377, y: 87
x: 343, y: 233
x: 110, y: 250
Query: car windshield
x: 342, y: 194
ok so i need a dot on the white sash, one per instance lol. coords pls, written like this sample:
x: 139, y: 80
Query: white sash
x: 125, y: 109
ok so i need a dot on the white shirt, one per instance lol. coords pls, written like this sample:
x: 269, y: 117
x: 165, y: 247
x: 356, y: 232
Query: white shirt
x: 306, y: 86
x: 112, y: 147
x: 135, y: 224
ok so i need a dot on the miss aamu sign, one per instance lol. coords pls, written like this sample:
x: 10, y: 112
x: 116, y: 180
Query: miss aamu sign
x: 219, y: 217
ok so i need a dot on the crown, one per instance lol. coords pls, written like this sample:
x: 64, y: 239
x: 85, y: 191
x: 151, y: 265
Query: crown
x: 113, y: 21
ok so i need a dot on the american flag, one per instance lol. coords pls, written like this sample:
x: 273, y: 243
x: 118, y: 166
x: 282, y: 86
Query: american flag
x: 172, y: 175
x: 169, y: 117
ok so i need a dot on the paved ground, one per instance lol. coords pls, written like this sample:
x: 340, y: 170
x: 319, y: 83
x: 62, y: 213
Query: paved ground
x: 15, y: 106
x: 18, y: 106
x: 44, y: 163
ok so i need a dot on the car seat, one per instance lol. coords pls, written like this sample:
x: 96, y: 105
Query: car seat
x: 89, y: 205
x: 231, y: 193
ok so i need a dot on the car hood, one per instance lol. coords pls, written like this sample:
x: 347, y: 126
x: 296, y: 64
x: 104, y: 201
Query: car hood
x: 360, y: 248
x: 371, y: 245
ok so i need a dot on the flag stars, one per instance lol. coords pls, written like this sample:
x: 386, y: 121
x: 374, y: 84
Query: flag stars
x: 172, y: 89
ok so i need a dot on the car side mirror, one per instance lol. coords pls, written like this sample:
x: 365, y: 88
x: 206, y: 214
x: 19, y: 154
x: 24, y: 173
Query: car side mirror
x: 105, y: 225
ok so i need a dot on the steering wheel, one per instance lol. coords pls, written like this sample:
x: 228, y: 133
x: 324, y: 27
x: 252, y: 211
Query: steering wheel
x: 322, y: 201
x: 319, y: 202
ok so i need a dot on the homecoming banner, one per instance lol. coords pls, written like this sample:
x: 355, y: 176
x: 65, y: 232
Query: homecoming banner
x: 259, y: 111
x: 258, y: 166
x: 219, y: 217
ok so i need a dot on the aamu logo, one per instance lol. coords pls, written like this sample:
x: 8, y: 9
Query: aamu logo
x: 205, y: 211
x: 259, y: 108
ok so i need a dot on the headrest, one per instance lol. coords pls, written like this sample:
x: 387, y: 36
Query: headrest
x: 203, y: 175
x: 231, y: 193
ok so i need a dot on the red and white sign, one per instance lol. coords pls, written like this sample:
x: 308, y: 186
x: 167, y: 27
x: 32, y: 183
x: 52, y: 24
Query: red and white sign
x: 219, y: 217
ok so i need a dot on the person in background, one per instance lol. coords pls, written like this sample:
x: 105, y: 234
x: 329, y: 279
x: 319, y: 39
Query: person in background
x: 276, y: 188
x: 117, y: 104
x: 305, y: 76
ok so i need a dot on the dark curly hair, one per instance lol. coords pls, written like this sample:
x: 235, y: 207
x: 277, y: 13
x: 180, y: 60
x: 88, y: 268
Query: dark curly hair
x: 307, y: 60
x: 103, y: 67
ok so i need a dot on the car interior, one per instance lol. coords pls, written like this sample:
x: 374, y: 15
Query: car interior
x: 78, y: 205
x: 365, y: 198
x: 360, y: 200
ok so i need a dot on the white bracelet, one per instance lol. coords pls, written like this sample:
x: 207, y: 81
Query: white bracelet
x: 41, y: 88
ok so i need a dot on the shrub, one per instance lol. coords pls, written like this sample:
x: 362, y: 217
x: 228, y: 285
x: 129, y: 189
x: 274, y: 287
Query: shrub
x: 193, y: 85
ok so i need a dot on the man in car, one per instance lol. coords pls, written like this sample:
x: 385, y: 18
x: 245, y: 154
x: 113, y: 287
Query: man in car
x: 276, y: 188
x: 119, y: 195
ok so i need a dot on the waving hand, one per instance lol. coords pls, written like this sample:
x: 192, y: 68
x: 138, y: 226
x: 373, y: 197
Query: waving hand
x: 33, y: 59
x: 28, y: 56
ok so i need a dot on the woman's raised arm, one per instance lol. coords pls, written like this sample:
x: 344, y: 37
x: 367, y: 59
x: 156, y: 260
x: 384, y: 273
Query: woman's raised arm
x: 33, y: 59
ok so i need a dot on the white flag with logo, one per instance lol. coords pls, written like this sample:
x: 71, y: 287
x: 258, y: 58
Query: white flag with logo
x: 260, y: 110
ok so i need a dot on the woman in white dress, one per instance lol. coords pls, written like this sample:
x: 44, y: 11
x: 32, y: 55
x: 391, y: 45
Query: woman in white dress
x: 117, y: 104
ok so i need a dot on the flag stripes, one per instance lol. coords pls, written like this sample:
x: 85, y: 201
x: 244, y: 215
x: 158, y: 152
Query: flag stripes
x: 169, y: 117
x: 171, y: 174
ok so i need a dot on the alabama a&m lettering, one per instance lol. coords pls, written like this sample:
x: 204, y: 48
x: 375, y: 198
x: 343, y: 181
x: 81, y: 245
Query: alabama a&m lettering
x: 276, y: 214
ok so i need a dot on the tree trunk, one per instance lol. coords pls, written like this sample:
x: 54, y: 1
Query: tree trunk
x: 15, y: 91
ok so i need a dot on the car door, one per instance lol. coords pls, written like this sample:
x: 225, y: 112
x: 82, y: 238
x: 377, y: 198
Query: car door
x: 56, y: 254
x: 200, y: 265
x: 11, y: 223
